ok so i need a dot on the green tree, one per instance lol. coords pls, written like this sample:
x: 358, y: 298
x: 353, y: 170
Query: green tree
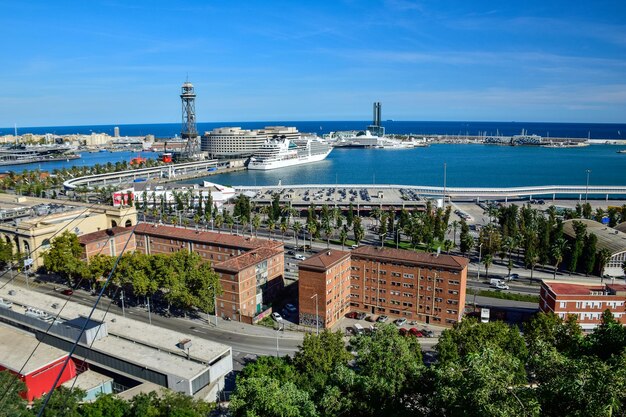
x: 64, y: 402
x: 64, y: 257
x: 487, y: 261
x: 11, y: 403
x: 466, y: 239
x: 107, y: 405
x: 357, y: 229
x: 267, y: 397
x: 318, y: 357
x: 580, y: 230
x: 6, y: 253
x: 589, y: 253
x: 558, y: 251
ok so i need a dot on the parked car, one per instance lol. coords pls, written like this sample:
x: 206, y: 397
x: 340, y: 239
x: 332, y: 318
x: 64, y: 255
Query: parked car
x: 427, y: 333
x: 277, y: 316
x: 400, y: 322
x: 290, y: 252
x: 361, y: 316
x: 300, y: 257
x: 67, y: 291
x: 291, y: 308
x: 372, y: 318
x: 414, y: 332
x: 382, y: 318
x: 354, y: 246
x: 351, y: 315
x: 403, y: 331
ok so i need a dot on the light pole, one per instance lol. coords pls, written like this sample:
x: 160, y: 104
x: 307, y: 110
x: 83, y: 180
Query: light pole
x: 214, y: 305
x: 149, y: 314
x: 588, y: 171
x: 317, y: 317
x: 123, y: 310
x: 480, y: 250
x: 278, y: 330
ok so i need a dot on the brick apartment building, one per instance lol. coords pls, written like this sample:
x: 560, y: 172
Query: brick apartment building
x: 109, y: 242
x: 586, y: 301
x: 251, y: 270
x: 426, y: 287
x: 324, y: 282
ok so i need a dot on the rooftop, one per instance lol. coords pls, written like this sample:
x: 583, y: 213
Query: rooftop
x: 87, y: 380
x: 324, y: 259
x: 103, y: 234
x: 245, y: 260
x: 199, y: 236
x: 16, y: 347
x: 140, y: 343
x: 561, y: 288
x: 608, y: 238
x: 418, y: 258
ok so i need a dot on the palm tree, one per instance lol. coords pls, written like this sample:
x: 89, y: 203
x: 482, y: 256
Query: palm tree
x: 603, y: 257
x: 558, y: 251
x: 312, y: 228
x: 343, y: 236
x: 455, y: 224
x: 256, y: 222
x: 447, y: 245
x: 218, y: 221
x: 283, y: 228
x: 328, y: 231
x: 271, y: 224
x: 487, y: 261
x: 297, y: 227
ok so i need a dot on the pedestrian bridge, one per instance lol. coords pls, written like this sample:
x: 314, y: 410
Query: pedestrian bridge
x: 499, y: 193
x: 144, y: 174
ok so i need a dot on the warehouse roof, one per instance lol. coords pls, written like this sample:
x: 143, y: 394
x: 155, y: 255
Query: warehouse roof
x: 608, y: 238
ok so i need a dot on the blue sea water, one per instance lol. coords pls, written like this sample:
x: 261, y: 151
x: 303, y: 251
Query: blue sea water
x: 163, y: 130
x: 467, y: 165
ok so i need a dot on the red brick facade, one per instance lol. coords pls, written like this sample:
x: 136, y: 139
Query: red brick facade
x: 251, y: 270
x: 110, y: 242
x: 586, y: 301
x: 399, y: 283
x: 324, y: 285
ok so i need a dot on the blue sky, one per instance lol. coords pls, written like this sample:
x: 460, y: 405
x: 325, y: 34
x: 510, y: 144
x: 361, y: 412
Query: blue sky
x: 117, y: 62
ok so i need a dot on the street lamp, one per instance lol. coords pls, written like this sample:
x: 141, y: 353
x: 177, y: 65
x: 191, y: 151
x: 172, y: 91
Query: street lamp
x: 588, y: 171
x: 317, y: 317
x: 278, y: 330
x: 214, y: 305
x: 480, y: 250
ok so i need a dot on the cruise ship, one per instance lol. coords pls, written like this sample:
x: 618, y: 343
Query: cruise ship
x: 281, y: 152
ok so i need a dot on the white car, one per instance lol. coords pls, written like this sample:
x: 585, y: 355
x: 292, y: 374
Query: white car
x: 501, y: 286
x: 277, y: 317
x: 300, y: 257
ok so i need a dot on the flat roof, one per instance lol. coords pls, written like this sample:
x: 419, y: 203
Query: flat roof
x: 418, y: 258
x: 140, y: 343
x: 87, y: 380
x: 324, y: 259
x: 16, y: 347
x: 561, y: 288
x: 608, y: 238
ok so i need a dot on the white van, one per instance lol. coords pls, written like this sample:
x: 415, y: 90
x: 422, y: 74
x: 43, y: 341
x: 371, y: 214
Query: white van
x: 358, y: 329
x: 495, y: 281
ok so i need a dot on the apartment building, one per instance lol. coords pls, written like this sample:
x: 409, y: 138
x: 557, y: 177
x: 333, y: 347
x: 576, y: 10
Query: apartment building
x: 251, y: 270
x: 417, y: 286
x: 109, y: 242
x: 586, y: 301
x: 324, y: 287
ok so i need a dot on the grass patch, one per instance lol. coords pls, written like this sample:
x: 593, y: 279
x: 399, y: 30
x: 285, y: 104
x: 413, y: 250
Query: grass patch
x: 349, y: 242
x: 504, y: 295
x: 267, y: 322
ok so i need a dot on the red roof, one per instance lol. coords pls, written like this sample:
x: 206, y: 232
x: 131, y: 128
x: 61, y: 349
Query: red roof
x: 420, y: 258
x: 245, y: 260
x: 192, y: 235
x: 563, y: 288
x: 324, y: 259
x: 103, y: 234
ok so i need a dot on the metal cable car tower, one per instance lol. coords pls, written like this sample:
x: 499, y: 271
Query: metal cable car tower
x: 189, y: 130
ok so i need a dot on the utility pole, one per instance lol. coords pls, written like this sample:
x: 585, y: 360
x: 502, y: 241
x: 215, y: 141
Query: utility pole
x: 123, y: 309
x: 317, y: 317
x: 588, y: 171
x: 480, y: 248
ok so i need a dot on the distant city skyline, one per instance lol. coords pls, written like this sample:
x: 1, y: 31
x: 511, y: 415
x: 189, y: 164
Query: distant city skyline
x: 111, y: 62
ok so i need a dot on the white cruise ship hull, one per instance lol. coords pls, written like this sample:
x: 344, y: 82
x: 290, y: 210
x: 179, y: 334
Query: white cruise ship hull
x: 283, y: 163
